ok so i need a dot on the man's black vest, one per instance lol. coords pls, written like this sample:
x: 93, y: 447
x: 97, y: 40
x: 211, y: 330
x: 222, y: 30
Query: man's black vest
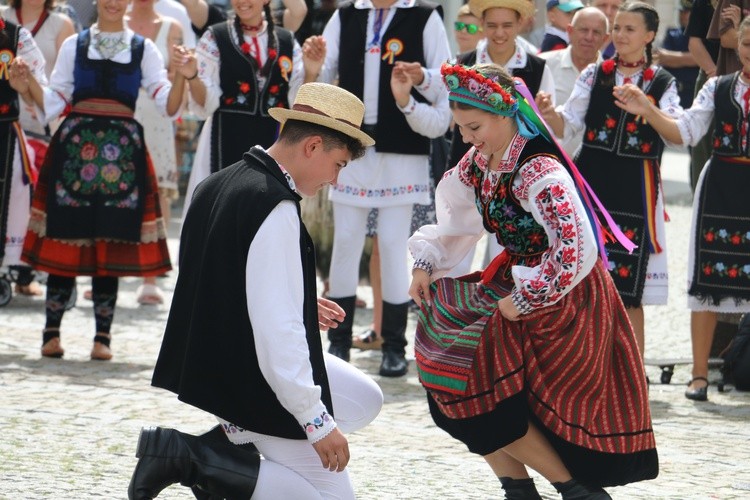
x: 208, y: 355
x: 392, y: 132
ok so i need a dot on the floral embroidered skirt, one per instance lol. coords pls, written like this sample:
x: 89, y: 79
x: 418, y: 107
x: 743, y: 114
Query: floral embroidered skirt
x: 96, y: 208
x: 572, y: 368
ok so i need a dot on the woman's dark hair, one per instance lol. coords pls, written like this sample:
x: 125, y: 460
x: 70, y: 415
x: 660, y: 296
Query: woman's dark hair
x: 295, y: 131
x: 493, y: 72
x: 273, y: 42
x: 651, y: 20
x: 16, y: 4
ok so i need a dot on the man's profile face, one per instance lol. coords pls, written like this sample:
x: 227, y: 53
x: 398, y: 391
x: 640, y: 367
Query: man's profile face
x: 322, y: 169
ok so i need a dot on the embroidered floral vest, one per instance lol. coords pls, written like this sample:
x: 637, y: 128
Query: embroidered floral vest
x: 8, y: 96
x: 612, y: 129
x: 502, y: 214
x: 728, y: 119
x: 105, y: 79
x: 240, y: 89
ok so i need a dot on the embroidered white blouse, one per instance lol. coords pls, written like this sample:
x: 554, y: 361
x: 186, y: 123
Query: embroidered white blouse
x: 574, y: 110
x: 153, y: 75
x: 544, y: 189
x: 694, y: 122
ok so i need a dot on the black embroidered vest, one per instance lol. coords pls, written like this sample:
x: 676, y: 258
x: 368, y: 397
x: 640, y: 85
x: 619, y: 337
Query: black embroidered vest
x: 240, y: 89
x: 392, y: 132
x: 502, y: 215
x: 105, y: 79
x: 611, y: 129
x: 8, y: 96
x: 728, y: 118
x: 208, y: 355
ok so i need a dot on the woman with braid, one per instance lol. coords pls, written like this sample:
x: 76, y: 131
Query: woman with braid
x: 621, y: 153
x: 533, y: 362
x: 246, y: 66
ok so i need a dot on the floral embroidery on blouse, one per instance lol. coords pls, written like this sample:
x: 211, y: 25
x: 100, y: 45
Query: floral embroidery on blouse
x: 317, y: 423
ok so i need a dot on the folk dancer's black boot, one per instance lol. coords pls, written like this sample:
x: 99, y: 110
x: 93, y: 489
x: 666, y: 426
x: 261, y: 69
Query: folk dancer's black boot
x: 394, y: 362
x: 341, y: 336
x: 573, y: 490
x: 167, y: 456
x: 519, y: 489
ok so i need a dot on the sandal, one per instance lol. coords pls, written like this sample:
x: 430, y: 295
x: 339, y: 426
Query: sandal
x: 698, y: 393
x: 367, y: 340
x: 149, y: 295
x: 31, y: 290
x: 101, y: 350
x: 51, y: 344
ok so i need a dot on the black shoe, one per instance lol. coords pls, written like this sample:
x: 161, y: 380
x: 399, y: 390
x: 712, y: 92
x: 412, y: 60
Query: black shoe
x: 167, y: 456
x: 699, y: 393
x: 573, y: 490
x: 519, y: 489
x: 393, y: 365
x: 340, y: 351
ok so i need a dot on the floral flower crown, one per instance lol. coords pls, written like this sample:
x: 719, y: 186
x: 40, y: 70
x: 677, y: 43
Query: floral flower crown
x: 470, y: 87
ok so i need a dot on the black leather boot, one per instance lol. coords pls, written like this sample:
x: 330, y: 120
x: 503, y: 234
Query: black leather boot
x: 341, y: 336
x: 167, y: 456
x: 216, y: 433
x: 573, y: 490
x: 394, y: 362
x: 519, y: 489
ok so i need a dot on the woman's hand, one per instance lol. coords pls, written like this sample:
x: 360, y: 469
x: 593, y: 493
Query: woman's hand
x: 733, y: 14
x: 330, y: 314
x: 313, y: 56
x: 508, y: 309
x: 18, y: 76
x: 632, y: 99
x: 420, y: 287
x: 184, y: 62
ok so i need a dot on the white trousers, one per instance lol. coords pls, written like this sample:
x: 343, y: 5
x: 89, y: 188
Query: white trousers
x: 350, y: 228
x: 291, y: 469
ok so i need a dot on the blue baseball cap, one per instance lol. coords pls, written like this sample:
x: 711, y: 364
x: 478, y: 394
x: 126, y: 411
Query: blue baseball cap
x: 565, y: 5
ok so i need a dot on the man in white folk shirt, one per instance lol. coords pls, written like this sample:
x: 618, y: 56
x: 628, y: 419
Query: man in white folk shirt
x: 388, y: 53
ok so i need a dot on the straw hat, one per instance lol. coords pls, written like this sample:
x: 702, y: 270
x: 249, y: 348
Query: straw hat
x: 523, y: 7
x: 329, y: 106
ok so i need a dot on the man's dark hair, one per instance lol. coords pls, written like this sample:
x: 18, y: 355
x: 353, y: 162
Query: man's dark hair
x: 295, y: 131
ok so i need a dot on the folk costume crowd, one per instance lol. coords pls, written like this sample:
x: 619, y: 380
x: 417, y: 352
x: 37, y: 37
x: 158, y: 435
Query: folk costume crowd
x: 519, y: 361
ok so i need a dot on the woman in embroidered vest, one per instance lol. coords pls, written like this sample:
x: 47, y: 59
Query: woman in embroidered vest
x: 621, y: 153
x: 719, y: 258
x: 21, y: 73
x: 247, y: 66
x: 533, y: 362
x: 96, y: 208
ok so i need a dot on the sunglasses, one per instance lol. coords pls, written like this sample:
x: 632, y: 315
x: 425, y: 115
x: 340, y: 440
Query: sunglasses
x: 470, y: 28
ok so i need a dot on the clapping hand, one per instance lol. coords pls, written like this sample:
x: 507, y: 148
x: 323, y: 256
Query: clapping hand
x: 313, y: 56
x: 18, y: 75
x: 184, y: 61
x: 632, y: 99
x: 543, y: 101
x: 401, y: 85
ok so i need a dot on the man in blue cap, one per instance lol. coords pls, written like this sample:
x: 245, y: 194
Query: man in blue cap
x: 559, y: 15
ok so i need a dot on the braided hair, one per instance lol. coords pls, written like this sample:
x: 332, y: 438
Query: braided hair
x: 651, y: 20
x: 273, y: 42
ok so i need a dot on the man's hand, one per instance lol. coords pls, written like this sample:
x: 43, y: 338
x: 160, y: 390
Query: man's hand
x: 330, y: 314
x: 401, y: 85
x: 333, y: 451
x: 413, y: 69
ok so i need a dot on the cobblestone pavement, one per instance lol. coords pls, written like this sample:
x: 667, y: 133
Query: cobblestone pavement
x: 69, y: 427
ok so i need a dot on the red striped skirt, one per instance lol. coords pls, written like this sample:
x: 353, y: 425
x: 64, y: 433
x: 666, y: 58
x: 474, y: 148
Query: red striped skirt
x: 576, y: 361
x: 149, y: 256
